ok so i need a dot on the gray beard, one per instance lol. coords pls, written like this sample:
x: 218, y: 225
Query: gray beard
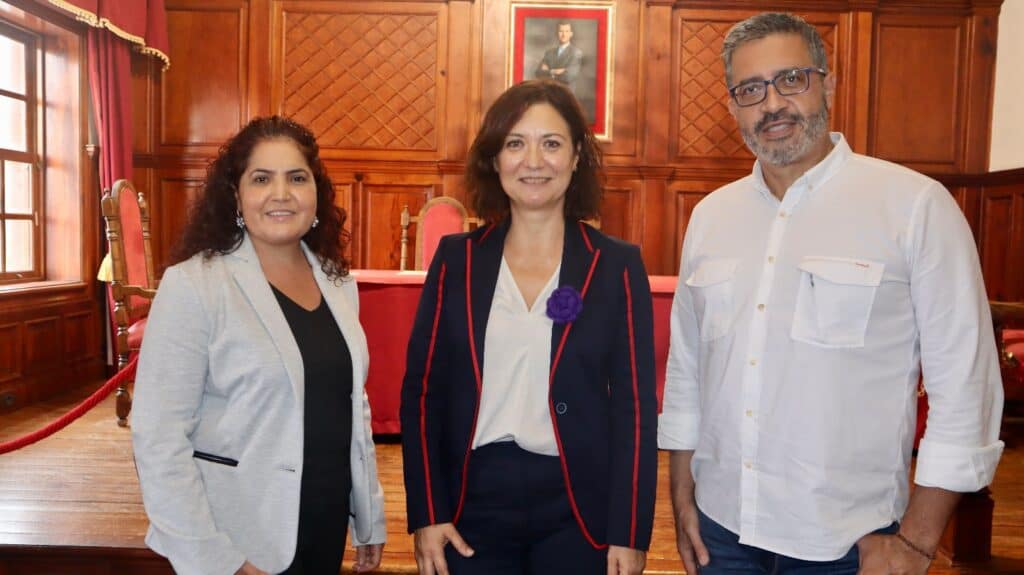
x: 814, y: 128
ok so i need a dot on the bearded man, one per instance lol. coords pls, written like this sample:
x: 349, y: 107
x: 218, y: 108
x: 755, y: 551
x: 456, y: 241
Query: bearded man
x: 812, y: 295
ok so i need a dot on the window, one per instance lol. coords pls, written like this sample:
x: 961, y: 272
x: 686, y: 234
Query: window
x: 21, y: 241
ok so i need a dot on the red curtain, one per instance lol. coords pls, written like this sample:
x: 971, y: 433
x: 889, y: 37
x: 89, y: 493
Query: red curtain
x: 118, y: 25
x: 110, y: 70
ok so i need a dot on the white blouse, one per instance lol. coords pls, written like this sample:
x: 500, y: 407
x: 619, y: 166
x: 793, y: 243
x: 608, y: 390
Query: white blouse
x: 517, y: 362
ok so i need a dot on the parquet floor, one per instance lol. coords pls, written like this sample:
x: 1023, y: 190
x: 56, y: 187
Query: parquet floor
x: 78, y: 490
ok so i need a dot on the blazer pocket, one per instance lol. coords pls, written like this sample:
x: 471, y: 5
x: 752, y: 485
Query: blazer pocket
x: 834, y: 300
x: 713, y: 290
x: 215, y: 458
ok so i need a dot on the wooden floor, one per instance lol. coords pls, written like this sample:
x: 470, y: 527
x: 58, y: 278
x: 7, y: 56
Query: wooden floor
x: 73, y: 500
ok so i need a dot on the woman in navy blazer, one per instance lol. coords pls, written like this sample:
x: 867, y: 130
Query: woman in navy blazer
x: 542, y: 463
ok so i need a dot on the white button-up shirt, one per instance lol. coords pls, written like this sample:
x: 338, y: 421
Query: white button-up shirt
x: 517, y: 362
x: 799, y: 330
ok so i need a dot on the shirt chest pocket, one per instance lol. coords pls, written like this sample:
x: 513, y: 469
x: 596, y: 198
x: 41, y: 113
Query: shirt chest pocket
x: 834, y: 300
x: 713, y: 288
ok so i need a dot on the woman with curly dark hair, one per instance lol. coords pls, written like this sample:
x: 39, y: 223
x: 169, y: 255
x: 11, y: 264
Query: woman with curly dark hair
x: 251, y: 428
x: 528, y: 405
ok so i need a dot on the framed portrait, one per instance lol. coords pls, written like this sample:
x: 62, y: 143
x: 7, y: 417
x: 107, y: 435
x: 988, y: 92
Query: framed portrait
x: 569, y: 43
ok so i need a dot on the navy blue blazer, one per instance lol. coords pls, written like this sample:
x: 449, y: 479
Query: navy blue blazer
x: 602, y: 391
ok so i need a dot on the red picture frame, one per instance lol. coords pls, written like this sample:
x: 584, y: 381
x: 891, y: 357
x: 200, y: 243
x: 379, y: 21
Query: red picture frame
x: 535, y: 33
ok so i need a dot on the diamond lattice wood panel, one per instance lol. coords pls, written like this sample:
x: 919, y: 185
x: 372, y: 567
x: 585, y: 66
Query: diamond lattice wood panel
x: 706, y: 129
x: 361, y: 80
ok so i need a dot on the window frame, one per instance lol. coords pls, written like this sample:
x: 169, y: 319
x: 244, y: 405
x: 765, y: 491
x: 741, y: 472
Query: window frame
x: 34, y: 97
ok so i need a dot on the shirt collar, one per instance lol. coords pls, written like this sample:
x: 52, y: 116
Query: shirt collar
x: 813, y: 178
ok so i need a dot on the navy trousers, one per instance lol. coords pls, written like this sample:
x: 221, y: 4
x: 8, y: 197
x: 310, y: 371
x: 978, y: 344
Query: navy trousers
x: 517, y: 518
x: 729, y: 556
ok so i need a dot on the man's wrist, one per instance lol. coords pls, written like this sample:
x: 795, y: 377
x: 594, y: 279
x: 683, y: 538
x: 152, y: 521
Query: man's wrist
x: 929, y: 555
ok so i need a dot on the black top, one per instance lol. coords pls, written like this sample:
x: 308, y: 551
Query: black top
x: 327, y: 422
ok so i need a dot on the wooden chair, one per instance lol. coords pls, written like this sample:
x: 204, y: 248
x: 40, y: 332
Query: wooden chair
x: 132, y: 284
x: 437, y: 218
x: 1008, y: 320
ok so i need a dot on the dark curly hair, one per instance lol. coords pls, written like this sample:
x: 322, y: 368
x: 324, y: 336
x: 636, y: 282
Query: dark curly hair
x: 483, y: 185
x: 211, y: 227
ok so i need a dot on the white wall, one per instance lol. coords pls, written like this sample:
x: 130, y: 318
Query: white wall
x: 1007, y: 149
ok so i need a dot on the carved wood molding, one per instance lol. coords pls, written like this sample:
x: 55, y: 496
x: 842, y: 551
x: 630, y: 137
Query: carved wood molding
x: 958, y: 6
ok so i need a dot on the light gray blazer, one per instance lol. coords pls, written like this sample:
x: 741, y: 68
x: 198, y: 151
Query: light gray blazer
x: 220, y: 373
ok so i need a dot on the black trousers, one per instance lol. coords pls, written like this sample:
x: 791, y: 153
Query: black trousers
x: 517, y: 518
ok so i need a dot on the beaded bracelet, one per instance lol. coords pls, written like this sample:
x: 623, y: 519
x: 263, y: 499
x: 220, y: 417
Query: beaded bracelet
x: 915, y: 548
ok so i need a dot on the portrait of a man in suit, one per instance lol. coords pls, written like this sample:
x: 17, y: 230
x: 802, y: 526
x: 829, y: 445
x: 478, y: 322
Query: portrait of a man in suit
x: 569, y: 44
x: 563, y: 61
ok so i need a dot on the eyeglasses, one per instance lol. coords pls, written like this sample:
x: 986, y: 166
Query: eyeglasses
x: 787, y: 83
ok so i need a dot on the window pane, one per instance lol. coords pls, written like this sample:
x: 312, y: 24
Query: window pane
x: 17, y: 187
x: 12, y: 65
x: 19, y: 245
x: 12, y: 124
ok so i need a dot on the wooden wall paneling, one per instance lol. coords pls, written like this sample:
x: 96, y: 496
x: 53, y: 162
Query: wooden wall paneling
x: 983, y: 26
x: 628, y: 90
x: 344, y: 195
x: 494, y: 63
x: 143, y: 79
x: 1002, y: 235
x: 367, y: 77
x: 622, y: 214
x: 462, y: 74
x: 81, y: 336
x: 1015, y: 267
x: 856, y: 85
x: 40, y: 352
x: 10, y: 353
x: 172, y: 195
x: 382, y: 198
x: 203, y: 96
x: 918, y: 97
x: 682, y: 198
x: 701, y: 129
x: 657, y: 231
x: 997, y: 220
x: 658, y: 75
x: 969, y: 199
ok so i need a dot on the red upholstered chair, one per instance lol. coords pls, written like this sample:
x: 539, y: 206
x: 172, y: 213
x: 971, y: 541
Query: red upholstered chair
x: 1008, y: 320
x: 132, y: 284
x: 437, y: 218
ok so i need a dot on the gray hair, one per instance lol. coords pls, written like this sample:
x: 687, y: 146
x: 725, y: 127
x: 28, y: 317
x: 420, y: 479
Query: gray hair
x: 769, y: 24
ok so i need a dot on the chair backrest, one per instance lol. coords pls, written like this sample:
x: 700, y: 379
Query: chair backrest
x: 437, y: 218
x: 126, y: 215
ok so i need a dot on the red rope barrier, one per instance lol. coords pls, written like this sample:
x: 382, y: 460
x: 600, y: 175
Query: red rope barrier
x: 79, y: 410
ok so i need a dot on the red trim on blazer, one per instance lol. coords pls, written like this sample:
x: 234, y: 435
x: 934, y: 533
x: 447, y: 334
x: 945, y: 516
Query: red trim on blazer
x: 554, y: 420
x: 636, y: 409
x: 423, y: 395
x: 487, y: 232
x: 586, y: 239
x: 476, y: 374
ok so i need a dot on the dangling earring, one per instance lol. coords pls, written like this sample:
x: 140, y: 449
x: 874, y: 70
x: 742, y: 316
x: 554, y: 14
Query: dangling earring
x: 316, y: 221
x: 239, y: 221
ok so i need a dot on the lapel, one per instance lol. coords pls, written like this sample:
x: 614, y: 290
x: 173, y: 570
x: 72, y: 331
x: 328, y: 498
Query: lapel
x: 245, y: 268
x: 483, y: 261
x: 345, y: 315
x: 578, y: 258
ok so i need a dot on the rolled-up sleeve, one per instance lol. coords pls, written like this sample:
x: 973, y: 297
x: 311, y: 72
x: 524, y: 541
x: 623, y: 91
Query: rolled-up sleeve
x: 960, y: 367
x: 679, y: 422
